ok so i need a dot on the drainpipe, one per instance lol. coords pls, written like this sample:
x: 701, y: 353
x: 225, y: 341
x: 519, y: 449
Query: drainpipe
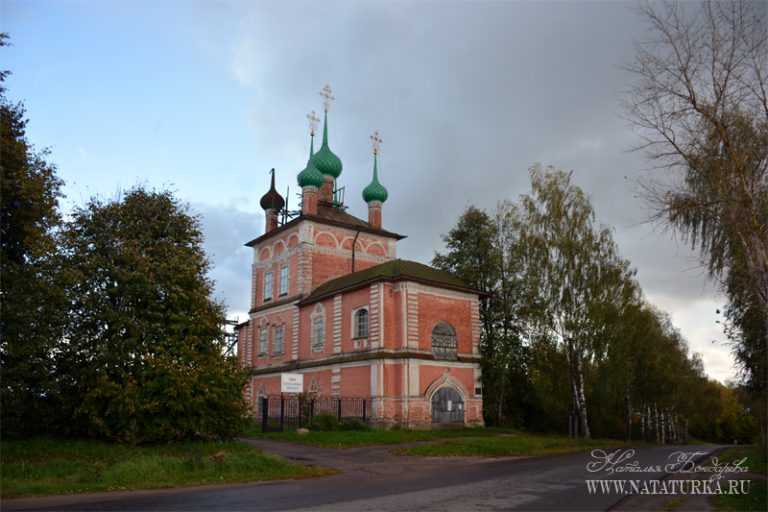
x: 354, y: 248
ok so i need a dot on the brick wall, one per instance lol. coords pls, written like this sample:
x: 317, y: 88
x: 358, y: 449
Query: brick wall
x: 457, y: 312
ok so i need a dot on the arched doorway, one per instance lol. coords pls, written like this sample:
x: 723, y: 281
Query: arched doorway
x: 447, y: 406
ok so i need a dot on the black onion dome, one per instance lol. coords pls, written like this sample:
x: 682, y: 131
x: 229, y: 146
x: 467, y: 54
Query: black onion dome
x: 272, y: 200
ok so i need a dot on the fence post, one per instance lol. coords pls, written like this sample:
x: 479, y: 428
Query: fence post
x: 264, y: 413
x: 338, y: 402
x: 301, y: 410
x: 311, y: 410
x: 282, y: 412
x: 364, y: 402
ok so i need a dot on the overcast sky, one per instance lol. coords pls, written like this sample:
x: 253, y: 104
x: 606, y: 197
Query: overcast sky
x: 206, y: 97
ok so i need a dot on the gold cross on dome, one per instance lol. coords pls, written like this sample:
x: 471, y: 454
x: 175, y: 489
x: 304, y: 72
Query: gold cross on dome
x: 328, y: 97
x: 313, y: 120
x: 376, y: 142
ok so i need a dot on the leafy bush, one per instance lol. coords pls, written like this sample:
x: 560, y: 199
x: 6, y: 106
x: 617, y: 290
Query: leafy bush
x: 144, y: 360
x: 325, y: 421
x: 353, y: 424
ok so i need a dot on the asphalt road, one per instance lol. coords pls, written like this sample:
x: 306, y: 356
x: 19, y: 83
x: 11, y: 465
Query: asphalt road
x: 374, y: 479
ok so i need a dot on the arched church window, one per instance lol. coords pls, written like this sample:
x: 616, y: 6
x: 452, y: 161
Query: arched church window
x: 444, y: 341
x: 361, y: 323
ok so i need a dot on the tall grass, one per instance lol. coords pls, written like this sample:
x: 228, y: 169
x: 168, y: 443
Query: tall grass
x: 52, y: 466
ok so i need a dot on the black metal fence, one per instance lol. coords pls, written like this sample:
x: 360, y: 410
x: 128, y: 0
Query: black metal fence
x: 289, y: 412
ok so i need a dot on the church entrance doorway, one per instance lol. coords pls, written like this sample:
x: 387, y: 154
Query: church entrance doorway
x: 447, y: 406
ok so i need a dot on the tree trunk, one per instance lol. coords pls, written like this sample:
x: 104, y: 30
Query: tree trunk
x: 577, y: 389
x: 501, y: 403
x: 673, y: 428
x: 651, y: 427
x: 582, y: 404
x: 628, y: 419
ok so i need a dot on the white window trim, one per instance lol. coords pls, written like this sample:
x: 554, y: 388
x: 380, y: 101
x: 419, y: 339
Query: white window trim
x: 284, y: 281
x: 353, y: 323
x: 264, y: 329
x: 319, y: 312
x: 270, y: 288
x: 274, y: 340
x: 451, y: 354
x: 248, y: 342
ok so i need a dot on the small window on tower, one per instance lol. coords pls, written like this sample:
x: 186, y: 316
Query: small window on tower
x: 263, y: 341
x: 268, y: 285
x: 284, y: 281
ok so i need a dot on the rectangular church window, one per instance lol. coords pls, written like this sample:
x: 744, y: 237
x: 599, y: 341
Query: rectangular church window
x: 268, y: 285
x: 263, y: 341
x: 318, y: 334
x: 284, y: 281
x: 278, y: 344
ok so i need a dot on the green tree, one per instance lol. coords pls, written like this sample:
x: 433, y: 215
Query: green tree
x: 472, y: 256
x: 700, y: 103
x: 143, y: 358
x: 31, y: 299
x: 577, y: 282
x: 480, y: 250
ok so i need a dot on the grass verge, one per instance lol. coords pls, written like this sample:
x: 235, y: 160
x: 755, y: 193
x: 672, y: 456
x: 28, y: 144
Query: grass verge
x: 756, y: 459
x: 757, y: 498
x: 353, y: 438
x: 36, y: 467
x: 512, y: 444
x: 755, y: 501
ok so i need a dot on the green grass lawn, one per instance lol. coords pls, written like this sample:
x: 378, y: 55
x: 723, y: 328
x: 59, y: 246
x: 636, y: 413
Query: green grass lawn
x: 757, y: 499
x: 52, y: 466
x: 756, y: 459
x: 519, y: 443
x: 352, y: 438
x: 485, y: 442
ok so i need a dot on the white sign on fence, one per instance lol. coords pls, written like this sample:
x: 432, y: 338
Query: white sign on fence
x: 291, y: 382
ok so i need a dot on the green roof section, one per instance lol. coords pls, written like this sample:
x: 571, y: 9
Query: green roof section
x: 375, y: 191
x: 395, y: 270
x: 310, y: 176
x: 325, y: 160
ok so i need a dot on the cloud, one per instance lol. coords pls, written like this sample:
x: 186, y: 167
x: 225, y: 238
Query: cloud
x: 225, y: 230
x: 244, y: 62
x: 696, y: 320
x: 466, y: 97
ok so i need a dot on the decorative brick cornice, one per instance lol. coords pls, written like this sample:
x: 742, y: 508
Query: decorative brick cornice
x: 364, y: 227
x: 359, y: 357
x: 281, y: 302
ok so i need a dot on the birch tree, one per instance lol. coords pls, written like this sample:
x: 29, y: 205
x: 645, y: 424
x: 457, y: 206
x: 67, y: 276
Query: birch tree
x: 700, y: 104
x: 574, y: 275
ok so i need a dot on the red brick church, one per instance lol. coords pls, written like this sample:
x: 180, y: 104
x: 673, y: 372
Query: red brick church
x: 331, y: 300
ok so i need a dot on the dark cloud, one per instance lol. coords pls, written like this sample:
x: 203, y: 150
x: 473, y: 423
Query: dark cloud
x: 226, y: 229
x: 467, y: 96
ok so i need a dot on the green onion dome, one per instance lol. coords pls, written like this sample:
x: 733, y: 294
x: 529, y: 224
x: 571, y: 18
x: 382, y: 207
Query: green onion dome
x: 375, y: 191
x: 311, y: 176
x: 325, y: 160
